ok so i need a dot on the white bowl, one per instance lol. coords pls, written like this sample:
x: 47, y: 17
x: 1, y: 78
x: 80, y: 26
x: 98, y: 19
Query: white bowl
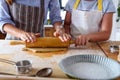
x: 90, y: 67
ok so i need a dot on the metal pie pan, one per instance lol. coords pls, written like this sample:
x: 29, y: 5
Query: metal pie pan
x: 88, y: 66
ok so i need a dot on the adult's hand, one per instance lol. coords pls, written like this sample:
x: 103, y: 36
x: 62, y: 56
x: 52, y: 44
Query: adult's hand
x: 37, y: 35
x: 28, y: 37
x: 25, y: 36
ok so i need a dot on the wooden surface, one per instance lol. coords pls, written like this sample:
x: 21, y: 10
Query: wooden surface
x: 2, y: 36
x: 106, y: 48
x: 48, y: 42
x: 49, y: 31
x: 40, y: 60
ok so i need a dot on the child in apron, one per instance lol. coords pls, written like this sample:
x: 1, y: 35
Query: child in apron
x: 88, y: 21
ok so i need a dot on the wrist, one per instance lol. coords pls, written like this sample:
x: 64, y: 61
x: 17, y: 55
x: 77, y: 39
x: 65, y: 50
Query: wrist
x: 59, y: 27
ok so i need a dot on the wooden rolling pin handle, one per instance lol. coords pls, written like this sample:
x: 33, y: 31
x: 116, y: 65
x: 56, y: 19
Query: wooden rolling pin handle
x: 72, y: 41
x: 17, y: 42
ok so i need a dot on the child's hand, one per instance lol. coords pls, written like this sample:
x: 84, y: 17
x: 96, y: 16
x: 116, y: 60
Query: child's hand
x: 60, y: 33
x: 81, y: 40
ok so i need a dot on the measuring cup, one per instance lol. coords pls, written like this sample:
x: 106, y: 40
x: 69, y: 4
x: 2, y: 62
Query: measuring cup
x: 114, y: 48
x: 22, y: 67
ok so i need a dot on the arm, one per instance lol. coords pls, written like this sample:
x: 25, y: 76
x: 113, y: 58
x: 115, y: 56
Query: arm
x: 105, y: 29
x: 55, y: 17
x: 103, y: 34
x: 8, y: 26
x: 56, y: 20
x: 67, y: 22
x: 64, y: 32
x: 25, y: 36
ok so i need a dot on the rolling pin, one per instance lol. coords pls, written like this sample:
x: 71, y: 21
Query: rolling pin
x: 17, y: 42
x: 119, y: 54
x: 48, y: 42
x: 44, y: 42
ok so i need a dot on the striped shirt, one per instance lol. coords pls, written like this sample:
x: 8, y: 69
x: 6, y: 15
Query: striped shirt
x: 50, y: 5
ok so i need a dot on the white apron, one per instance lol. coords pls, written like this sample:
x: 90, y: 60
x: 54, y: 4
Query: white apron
x: 84, y: 22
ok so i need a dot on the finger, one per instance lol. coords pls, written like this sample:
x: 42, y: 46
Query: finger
x: 78, y: 42
x: 83, y: 41
x: 37, y: 34
x: 25, y: 39
x: 68, y: 37
x: 64, y: 37
x: 31, y: 37
x: 56, y: 34
x: 61, y: 38
x: 87, y: 40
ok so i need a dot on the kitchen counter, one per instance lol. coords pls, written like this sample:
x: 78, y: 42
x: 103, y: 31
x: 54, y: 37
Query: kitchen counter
x: 41, y: 60
x: 105, y: 46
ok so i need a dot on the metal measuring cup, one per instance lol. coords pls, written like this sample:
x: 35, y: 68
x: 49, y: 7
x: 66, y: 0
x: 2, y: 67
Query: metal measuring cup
x: 23, y: 66
x: 114, y: 48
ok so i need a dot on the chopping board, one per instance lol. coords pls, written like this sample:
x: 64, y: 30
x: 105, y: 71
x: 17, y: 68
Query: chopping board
x: 106, y: 49
x: 119, y: 55
x: 49, y: 52
x: 41, y: 52
x: 44, y: 50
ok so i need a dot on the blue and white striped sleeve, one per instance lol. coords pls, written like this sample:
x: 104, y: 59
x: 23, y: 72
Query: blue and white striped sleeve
x: 55, y: 11
x: 4, y: 15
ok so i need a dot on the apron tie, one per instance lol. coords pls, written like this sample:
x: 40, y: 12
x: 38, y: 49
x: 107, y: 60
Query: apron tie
x: 82, y: 22
x: 99, y: 4
x: 76, y: 4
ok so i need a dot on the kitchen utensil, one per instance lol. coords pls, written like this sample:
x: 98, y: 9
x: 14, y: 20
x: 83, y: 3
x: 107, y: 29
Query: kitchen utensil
x: 22, y: 67
x: 45, y: 72
x: 17, y: 42
x: 48, y: 42
x: 44, y: 42
x: 91, y: 67
x: 114, y: 48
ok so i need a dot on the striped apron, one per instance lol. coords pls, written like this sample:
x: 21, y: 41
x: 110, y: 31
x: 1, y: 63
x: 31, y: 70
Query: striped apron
x: 27, y: 18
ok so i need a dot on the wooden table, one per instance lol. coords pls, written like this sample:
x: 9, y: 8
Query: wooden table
x: 41, y: 60
x: 105, y: 47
